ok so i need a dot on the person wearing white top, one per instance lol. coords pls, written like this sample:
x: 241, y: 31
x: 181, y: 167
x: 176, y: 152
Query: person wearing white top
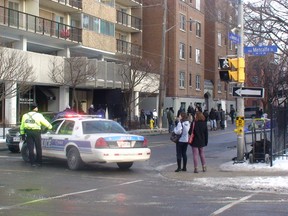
x: 182, y: 128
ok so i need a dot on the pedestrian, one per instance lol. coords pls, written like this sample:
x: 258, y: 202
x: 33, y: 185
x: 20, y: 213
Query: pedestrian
x: 212, y: 117
x: 222, y: 119
x: 200, y: 141
x: 142, y: 118
x: 232, y: 114
x: 31, y: 127
x: 91, y: 110
x: 171, y: 119
x: 191, y: 112
x: 155, y: 117
x: 181, y: 146
x: 100, y: 112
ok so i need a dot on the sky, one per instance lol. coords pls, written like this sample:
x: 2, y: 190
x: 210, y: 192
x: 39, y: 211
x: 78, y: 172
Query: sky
x: 269, y: 183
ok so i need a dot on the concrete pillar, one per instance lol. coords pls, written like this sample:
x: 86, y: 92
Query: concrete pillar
x: 64, y: 98
x: 65, y: 52
x: 21, y: 44
x: 10, y: 104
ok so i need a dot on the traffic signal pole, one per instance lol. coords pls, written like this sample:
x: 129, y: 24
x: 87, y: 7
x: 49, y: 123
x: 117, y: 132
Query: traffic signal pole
x: 240, y: 100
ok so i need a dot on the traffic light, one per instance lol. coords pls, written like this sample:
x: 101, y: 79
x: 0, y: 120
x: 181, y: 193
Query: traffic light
x: 232, y: 69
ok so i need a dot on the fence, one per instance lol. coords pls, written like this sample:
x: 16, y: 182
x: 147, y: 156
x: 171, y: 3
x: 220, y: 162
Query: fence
x: 279, y: 133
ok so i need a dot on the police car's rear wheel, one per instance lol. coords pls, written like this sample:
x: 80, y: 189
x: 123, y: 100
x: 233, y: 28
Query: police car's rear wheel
x: 74, y: 160
x: 125, y: 165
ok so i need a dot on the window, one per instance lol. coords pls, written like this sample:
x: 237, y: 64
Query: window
x: 182, y: 79
x: 97, y: 25
x: 219, y: 38
x: 107, y: 28
x: 219, y: 15
x: 190, y: 52
x: 198, y: 6
x: 198, y: 29
x: 182, y: 22
x: 190, y: 79
x: 219, y: 86
x: 197, y: 82
x: 198, y: 56
x: 190, y: 24
x: 13, y: 15
x: 182, y: 51
x: 254, y: 79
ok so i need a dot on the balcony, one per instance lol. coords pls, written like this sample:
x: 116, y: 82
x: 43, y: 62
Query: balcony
x: 62, y: 5
x: 124, y: 47
x: 128, y: 23
x: 129, y: 3
x: 32, y: 24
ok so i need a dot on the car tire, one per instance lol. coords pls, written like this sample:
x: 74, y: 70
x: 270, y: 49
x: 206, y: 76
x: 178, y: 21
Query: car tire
x: 25, y: 152
x: 13, y: 149
x: 74, y: 160
x: 125, y: 165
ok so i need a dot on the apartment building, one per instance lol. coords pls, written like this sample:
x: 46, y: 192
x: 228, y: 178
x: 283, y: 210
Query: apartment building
x: 196, y: 36
x: 184, y: 48
x: 220, y: 18
x: 42, y: 30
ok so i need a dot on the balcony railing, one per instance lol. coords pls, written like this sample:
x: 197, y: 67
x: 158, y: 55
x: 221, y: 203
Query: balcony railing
x: 30, y: 23
x: 128, y: 20
x: 72, y: 3
x: 127, y: 48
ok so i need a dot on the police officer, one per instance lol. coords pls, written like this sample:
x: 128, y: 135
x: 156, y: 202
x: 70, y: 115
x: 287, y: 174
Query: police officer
x: 31, y: 126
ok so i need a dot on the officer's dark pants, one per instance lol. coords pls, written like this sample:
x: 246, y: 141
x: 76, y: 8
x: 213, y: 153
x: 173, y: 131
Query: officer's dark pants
x: 33, y: 137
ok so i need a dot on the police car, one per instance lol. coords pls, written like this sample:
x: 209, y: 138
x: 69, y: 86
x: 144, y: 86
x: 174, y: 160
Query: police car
x: 87, y: 139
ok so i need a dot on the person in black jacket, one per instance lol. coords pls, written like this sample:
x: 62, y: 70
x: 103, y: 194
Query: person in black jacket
x: 200, y: 140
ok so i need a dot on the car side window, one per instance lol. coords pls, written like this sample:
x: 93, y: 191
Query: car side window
x: 66, y: 128
x: 55, y: 126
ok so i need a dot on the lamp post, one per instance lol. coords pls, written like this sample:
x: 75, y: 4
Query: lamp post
x: 240, y: 100
x: 162, y: 86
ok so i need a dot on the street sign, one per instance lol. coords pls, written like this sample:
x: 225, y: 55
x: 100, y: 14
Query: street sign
x: 236, y: 39
x: 248, y: 92
x: 260, y: 50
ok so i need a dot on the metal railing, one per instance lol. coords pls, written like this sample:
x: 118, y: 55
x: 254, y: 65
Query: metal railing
x: 128, y: 48
x: 128, y: 20
x: 72, y: 3
x: 279, y: 125
x: 30, y: 23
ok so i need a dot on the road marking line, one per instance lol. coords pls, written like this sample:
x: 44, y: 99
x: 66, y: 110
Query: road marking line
x: 66, y: 195
x: 221, y: 210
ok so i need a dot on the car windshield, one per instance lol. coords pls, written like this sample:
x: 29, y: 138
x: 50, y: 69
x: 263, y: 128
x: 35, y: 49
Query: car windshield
x: 91, y: 127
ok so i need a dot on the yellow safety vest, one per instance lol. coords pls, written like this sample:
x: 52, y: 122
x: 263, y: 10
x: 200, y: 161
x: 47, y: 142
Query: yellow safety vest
x: 33, y: 121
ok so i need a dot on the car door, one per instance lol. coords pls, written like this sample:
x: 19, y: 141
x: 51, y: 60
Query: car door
x: 54, y: 143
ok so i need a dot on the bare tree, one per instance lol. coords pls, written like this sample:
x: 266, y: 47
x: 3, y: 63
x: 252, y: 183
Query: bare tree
x: 16, y: 74
x: 137, y: 73
x: 266, y: 23
x: 73, y: 72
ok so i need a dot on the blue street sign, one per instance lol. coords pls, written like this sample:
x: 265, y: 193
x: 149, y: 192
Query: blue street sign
x: 236, y: 39
x: 260, y: 50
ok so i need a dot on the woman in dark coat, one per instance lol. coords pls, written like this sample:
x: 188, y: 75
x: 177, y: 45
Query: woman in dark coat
x: 200, y: 140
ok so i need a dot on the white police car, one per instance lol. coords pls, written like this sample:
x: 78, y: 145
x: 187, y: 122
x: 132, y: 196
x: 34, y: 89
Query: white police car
x: 87, y: 139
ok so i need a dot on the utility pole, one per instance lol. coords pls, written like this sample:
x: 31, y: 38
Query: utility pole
x: 162, y: 86
x: 240, y: 100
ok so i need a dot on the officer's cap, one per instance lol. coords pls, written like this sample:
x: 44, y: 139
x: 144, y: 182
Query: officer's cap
x: 33, y: 106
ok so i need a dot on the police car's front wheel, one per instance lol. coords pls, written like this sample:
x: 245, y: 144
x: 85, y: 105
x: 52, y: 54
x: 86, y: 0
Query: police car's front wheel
x: 25, y: 152
x: 74, y: 160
